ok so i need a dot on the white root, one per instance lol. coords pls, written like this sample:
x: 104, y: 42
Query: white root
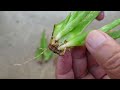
x: 30, y: 59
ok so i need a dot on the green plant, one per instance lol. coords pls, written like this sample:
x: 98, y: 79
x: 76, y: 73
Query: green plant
x: 42, y: 52
x: 71, y: 31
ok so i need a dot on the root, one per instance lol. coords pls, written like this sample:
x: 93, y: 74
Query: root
x: 31, y: 59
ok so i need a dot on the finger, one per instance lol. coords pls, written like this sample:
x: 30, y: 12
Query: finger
x: 64, y: 67
x: 88, y: 76
x: 106, y: 77
x: 79, y: 62
x: 90, y: 60
x: 100, y: 16
x: 106, y: 52
x: 94, y: 68
x: 97, y: 72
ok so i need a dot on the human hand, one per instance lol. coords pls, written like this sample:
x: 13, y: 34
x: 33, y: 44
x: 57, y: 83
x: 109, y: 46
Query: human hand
x: 99, y: 61
x: 74, y: 64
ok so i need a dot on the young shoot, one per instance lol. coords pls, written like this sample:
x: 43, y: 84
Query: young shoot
x: 71, y: 31
x: 42, y: 53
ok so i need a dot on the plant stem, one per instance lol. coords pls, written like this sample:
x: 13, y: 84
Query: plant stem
x: 71, y: 25
x: 61, y: 25
x: 110, y: 26
x: 114, y: 34
x: 79, y: 39
x: 82, y: 26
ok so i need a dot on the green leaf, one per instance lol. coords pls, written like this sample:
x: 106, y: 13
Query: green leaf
x: 71, y: 32
x: 43, y: 43
x: 48, y: 55
x: 71, y: 25
x: 81, y: 27
x: 114, y: 34
x: 42, y: 46
x: 110, y: 26
x: 61, y: 25
x: 37, y: 54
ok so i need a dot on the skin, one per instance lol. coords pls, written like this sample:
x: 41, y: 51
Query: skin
x: 98, y: 59
x: 79, y: 64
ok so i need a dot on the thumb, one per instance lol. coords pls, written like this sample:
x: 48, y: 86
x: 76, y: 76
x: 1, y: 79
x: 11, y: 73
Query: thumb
x: 106, y: 52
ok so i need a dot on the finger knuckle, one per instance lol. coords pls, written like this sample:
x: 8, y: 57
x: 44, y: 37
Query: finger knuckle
x: 112, y: 65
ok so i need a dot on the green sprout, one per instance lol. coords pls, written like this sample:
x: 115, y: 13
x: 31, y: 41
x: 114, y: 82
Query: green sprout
x: 42, y: 52
x: 71, y: 31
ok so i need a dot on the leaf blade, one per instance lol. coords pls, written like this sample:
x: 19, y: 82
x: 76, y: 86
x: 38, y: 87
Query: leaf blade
x: 42, y: 45
x: 114, y: 34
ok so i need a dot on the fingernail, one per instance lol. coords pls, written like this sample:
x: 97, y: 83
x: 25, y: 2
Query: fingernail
x: 95, y: 39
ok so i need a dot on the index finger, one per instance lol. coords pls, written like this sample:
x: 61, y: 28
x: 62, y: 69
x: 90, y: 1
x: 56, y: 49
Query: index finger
x: 79, y: 61
x: 64, y: 66
x: 100, y: 16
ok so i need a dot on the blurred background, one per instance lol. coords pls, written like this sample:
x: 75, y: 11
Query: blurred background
x: 19, y: 37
